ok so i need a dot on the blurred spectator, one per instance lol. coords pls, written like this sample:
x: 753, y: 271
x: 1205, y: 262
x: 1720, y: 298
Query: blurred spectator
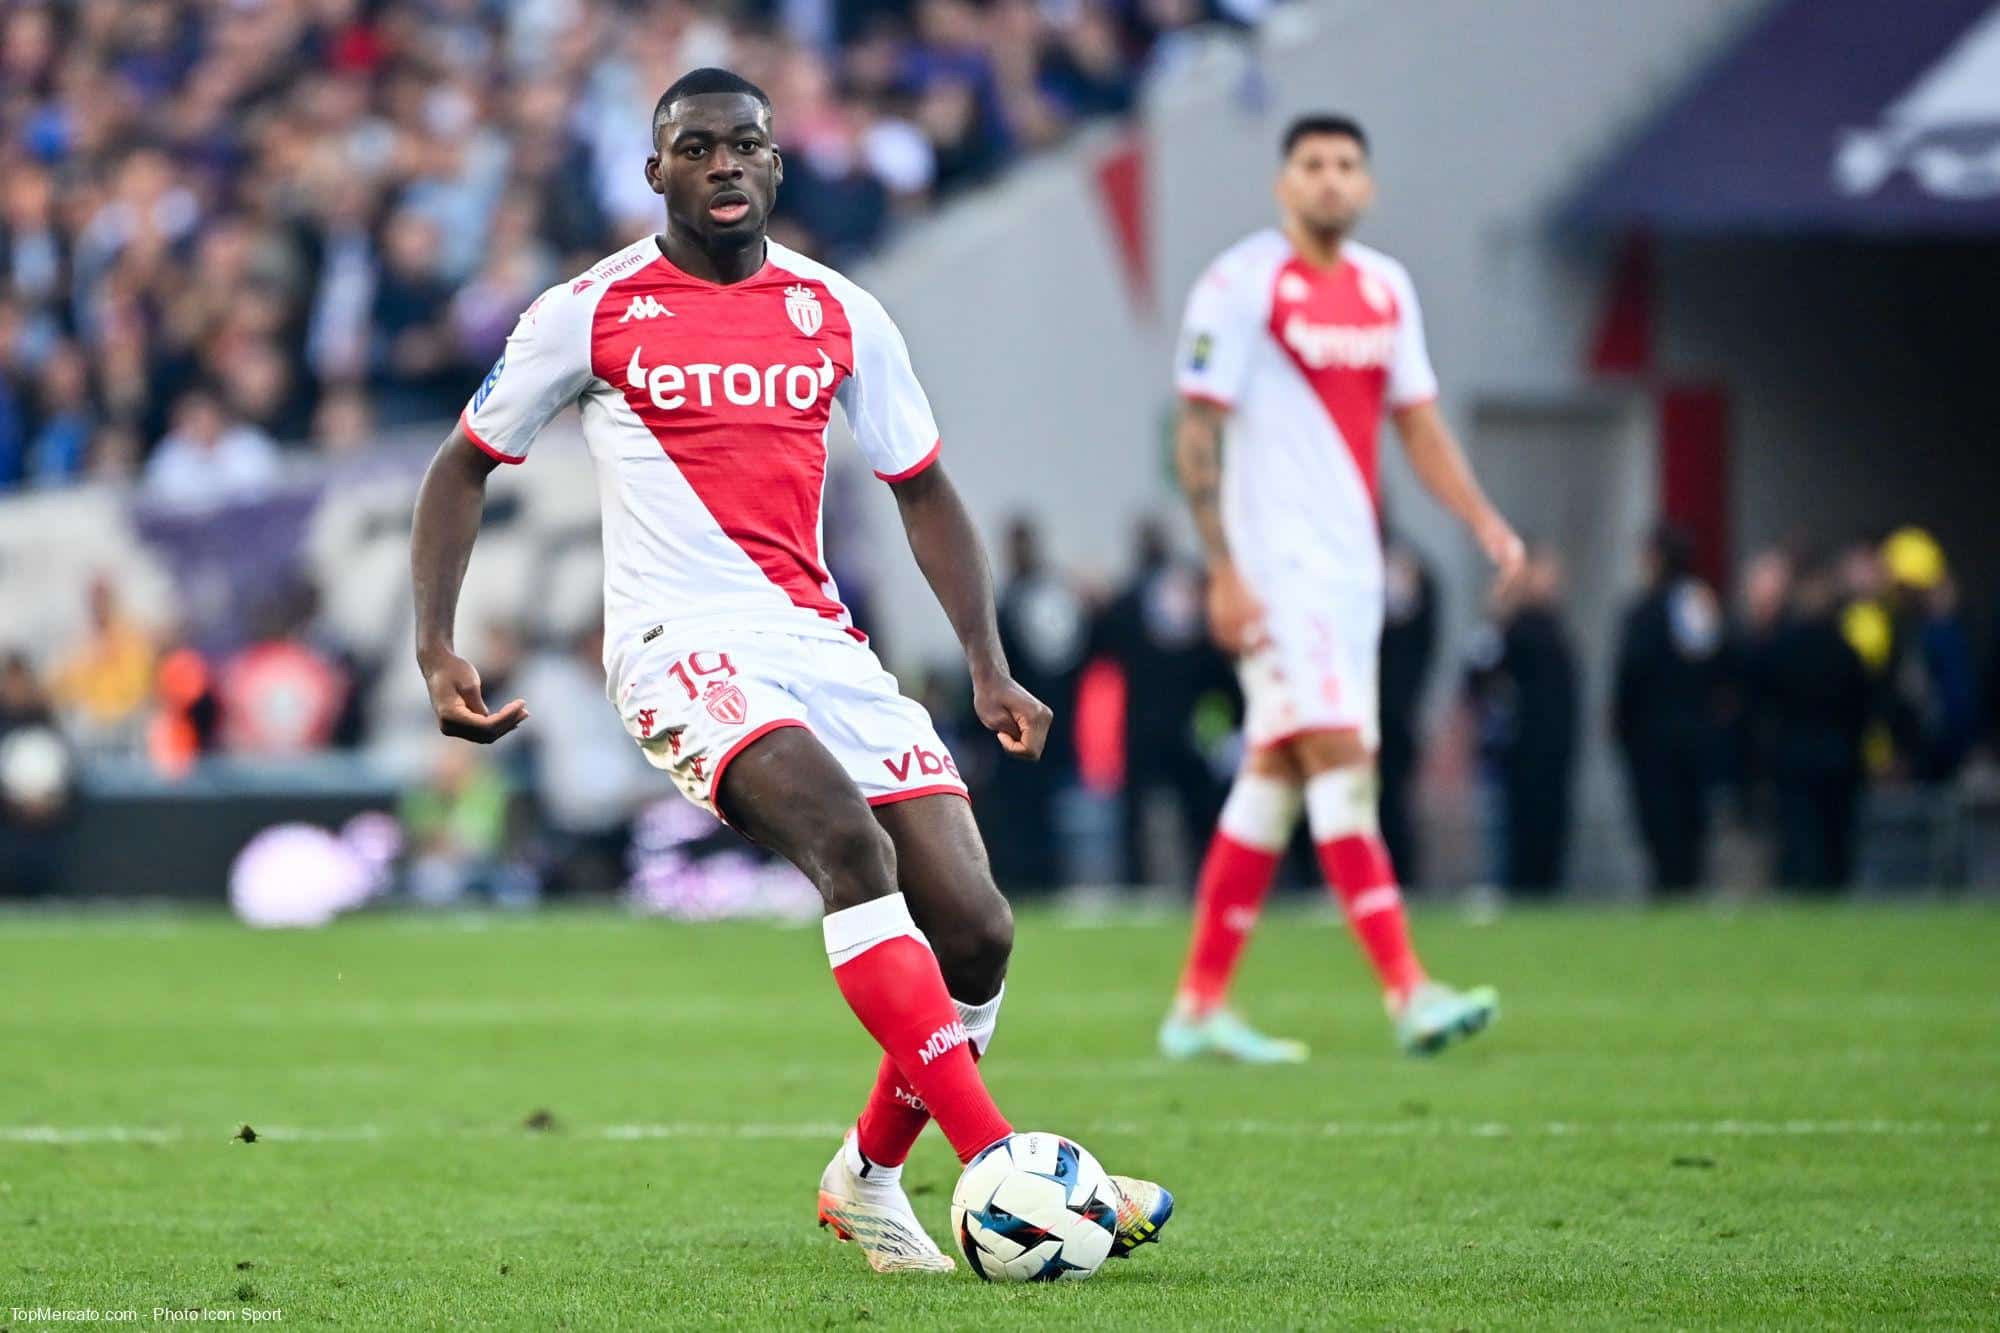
x: 456, y: 831
x: 1409, y: 641
x: 1155, y: 632
x: 37, y: 775
x: 1526, y: 688
x: 1765, y: 590
x: 589, y: 779
x: 1933, y: 682
x: 105, y: 681
x: 280, y: 695
x: 210, y: 459
x: 61, y: 443
x: 1664, y: 710
x: 1044, y: 631
x: 1811, y: 694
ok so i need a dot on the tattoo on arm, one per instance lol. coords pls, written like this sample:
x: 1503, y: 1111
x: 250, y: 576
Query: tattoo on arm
x: 1198, y: 456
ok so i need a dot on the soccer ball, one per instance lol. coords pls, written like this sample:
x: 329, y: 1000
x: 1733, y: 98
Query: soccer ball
x: 1034, y: 1208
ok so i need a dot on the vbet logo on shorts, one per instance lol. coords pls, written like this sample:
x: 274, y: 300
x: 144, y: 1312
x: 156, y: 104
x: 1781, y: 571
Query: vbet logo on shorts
x: 705, y: 383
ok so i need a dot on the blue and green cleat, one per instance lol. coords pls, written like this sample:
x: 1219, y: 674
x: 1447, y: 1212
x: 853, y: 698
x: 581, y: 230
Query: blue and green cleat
x: 1433, y: 1016
x: 1221, y: 1033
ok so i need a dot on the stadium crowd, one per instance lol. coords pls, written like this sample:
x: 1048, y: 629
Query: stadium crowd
x: 227, y: 226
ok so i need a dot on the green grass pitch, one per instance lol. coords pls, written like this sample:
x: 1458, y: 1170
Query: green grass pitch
x: 1779, y: 1118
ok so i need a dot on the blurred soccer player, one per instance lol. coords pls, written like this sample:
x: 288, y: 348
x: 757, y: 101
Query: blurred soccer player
x: 1295, y: 340
x: 706, y: 361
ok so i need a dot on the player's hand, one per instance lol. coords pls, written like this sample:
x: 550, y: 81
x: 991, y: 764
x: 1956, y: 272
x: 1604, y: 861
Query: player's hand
x: 461, y: 710
x: 1018, y: 718
x: 1503, y: 547
x: 1235, y: 616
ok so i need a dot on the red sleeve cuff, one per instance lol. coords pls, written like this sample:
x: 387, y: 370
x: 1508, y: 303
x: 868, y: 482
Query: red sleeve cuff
x: 1196, y: 396
x: 893, y: 477
x: 465, y: 424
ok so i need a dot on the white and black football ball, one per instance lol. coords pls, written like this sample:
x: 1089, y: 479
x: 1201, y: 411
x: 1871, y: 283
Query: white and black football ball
x: 1034, y: 1208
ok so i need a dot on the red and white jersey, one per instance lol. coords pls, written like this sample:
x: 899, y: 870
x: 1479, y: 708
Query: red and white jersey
x: 705, y: 410
x: 1304, y: 358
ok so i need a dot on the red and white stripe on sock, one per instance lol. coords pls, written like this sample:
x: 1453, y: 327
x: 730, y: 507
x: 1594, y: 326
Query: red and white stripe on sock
x: 1340, y: 808
x: 1250, y: 837
x: 890, y: 979
x: 895, y: 1115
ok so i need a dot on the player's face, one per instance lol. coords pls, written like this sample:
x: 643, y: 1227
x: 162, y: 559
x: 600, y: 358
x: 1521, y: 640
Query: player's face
x: 717, y: 168
x: 1324, y: 185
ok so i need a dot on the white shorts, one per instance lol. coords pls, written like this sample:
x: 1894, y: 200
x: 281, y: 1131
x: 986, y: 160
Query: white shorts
x: 693, y: 707
x: 1317, y: 671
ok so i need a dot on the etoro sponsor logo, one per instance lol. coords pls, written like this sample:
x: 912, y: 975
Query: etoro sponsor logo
x: 1342, y: 346
x: 930, y: 763
x: 708, y: 383
x: 943, y: 1041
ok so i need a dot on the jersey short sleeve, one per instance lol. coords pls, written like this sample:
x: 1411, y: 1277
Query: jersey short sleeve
x: 1411, y: 379
x: 886, y: 407
x: 542, y: 369
x: 1220, y: 331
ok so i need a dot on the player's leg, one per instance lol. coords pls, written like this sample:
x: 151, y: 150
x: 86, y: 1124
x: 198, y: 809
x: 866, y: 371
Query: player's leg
x: 1341, y: 812
x: 786, y: 791
x: 942, y: 869
x: 1250, y: 838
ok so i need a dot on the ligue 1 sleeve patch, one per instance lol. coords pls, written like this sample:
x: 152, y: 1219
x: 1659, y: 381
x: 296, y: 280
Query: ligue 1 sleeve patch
x: 486, y: 385
x: 1198, y: 354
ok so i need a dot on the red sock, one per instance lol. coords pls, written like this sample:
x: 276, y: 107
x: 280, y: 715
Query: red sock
x: 893, y: 1119
x: 891, y: 981
x: 1234, y: 879
x: 1357, y: 867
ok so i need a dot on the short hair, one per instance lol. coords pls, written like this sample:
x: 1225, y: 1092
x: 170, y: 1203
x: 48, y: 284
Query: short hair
x: 705, y: 80
x: 1323, y: 122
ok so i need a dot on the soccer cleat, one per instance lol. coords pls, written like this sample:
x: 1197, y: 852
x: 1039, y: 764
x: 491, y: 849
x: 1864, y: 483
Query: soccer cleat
x: 1433, y: 1016
x: 1143, y: 1208
x: 1220, y: 1032
x: 877, y: 1216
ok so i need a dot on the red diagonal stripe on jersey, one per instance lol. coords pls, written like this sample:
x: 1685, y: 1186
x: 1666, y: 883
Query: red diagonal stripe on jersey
x: 760, y: 474
x: 1351, y: 396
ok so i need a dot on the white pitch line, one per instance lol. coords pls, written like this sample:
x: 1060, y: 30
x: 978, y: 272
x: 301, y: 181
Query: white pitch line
x: 816, y: 1130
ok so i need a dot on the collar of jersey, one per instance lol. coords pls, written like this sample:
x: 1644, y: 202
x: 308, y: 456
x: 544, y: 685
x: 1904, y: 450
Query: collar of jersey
x: 688, y: 277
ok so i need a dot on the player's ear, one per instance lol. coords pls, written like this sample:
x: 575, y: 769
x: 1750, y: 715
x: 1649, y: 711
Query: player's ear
x: 654, y: 178
x: 777, y: 167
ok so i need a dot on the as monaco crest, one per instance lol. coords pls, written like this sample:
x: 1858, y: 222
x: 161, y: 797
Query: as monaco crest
x: 725, y: 702
x: 803, y: 307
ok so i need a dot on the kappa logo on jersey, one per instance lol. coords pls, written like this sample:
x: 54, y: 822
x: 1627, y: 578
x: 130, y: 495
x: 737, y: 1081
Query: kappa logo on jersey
x: 726, y: 704
x: 647, y: 717
x: 1346, y: 346
x: 671, y: 387
x: 492, y: 378
x: 927, y: 762
x: 802, y: 305
x: 644, y: 307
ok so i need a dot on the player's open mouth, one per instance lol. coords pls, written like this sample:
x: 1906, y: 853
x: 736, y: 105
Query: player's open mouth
x: 729, y: 207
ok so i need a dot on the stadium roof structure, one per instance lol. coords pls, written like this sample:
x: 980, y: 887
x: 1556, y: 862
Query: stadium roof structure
x: 1853, y: 117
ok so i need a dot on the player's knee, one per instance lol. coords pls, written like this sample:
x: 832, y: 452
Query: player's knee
x: 973, y: 950
x: 852, y: 861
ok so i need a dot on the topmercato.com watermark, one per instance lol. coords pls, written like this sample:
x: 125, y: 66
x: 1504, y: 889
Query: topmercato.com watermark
x: 159, y: 1314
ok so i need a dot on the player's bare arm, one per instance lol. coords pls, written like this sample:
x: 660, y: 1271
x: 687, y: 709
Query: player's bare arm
x: 1441, y: 465
x: 948, y: 550
x: 1233, y: 611
x: 442, y: 532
